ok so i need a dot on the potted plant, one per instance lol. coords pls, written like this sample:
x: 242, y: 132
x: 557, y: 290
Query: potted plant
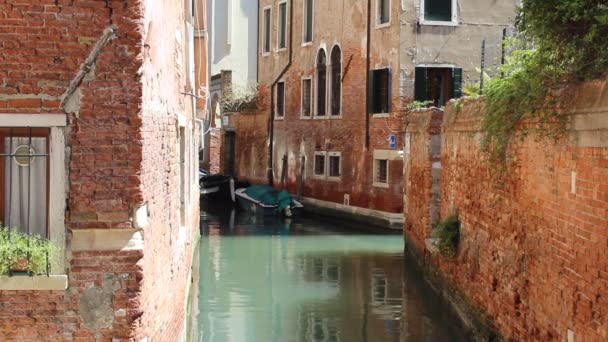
x: 24, y: 253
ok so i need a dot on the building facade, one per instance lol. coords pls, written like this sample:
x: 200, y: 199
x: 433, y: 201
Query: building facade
x: 233, y: 67
x: 99, y: 144
x: 335, y: 77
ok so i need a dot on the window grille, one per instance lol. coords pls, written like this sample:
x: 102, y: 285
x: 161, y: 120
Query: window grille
x: 24, y: 169
x: 381, y: 168
x: 306, y: 90
x: 319, y: 165
x: 282, y: 25
x: 280, y: 99
x: 321, y: 82
x: 334, y: 166
x: 336, y: 80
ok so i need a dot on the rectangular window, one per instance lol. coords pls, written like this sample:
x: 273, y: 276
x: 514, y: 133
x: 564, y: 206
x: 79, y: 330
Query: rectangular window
x: 437, y: 85
x: 319, y: 164
x: 24, y: 165
x: 182, y: 173
x: 306, y: 96
x: 384, y: 11
x: 438, y: 10
x: 280, y: 107
x: 335, y: 164
x: 380, y: 97
x: 381, y: 171
x: 267, y: 22
x: 282, y: 35
x: 307, y: 22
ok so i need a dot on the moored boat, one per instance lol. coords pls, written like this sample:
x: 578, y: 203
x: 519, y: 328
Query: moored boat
x: 266, y: 200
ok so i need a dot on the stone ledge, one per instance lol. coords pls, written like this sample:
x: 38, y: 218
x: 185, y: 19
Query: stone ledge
x: 40, y: 283
x: 378, y: 218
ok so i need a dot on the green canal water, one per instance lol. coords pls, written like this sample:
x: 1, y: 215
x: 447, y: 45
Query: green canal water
x: 269, y: 280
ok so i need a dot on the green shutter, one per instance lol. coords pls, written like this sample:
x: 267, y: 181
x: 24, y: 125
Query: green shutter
x: 456, y: 83
x: 438, y: 10
x: 420, y: 84
x: 388, y: 90
x: 370, y: 92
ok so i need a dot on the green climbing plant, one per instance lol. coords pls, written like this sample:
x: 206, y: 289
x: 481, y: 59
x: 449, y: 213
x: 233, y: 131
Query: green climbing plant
x: 560, y: 42
x: 448, y: 235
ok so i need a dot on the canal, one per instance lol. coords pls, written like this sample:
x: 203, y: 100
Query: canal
x: 270, y: 280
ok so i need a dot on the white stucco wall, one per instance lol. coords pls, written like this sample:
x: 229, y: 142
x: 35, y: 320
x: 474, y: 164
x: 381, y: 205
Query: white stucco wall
x: 233, y: 39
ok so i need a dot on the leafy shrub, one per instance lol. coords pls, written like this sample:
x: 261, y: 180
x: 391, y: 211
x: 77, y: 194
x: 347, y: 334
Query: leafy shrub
x: 417, y: 105
x: 560, y: 41
x: 16, y: 247
x: 448, y: 235
x: 240, y: 98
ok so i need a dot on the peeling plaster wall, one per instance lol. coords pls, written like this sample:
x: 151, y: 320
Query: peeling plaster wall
x: 458, y: 45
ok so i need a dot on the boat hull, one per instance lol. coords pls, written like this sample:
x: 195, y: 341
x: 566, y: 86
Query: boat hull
x: 258, y: 208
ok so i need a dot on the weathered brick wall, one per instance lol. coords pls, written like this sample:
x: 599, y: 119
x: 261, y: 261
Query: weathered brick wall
x: 532, y: 245
x: 169, y: 238
x: 421, y: 206
x: 121, y: 150
x: 252, y: 146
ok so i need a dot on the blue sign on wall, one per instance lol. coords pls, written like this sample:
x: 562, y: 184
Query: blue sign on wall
x: 392, y: 141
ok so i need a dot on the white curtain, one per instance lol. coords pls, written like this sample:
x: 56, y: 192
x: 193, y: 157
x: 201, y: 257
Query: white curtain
x: 19, y: 189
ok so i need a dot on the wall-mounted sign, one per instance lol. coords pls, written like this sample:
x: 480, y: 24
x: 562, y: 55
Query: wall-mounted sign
x: 392, y: 141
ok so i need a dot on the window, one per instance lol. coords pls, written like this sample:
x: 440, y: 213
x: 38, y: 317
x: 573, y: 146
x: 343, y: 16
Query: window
x: 438, y: 85
x: 384, y: 11
x: 306, y: 91
x: 307, y: 22
x: 319, y: 164
x: 321, y: 82
x: 33, y: 189
x: 336, y: 80
x: 334, y: 164
x: 380, y: 172
x: 24, y: 167
x: 267, y: 22
x: 380, y: 98
x: 282, y: 22
x: 439, y: 10
x: 181, y: 139
x: 280, y: 101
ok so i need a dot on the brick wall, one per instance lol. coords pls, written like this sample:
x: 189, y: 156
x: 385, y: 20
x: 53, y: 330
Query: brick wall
x: 531, y: 255
x: 122, y: 156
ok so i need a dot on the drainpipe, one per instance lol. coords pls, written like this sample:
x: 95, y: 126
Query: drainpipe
x: 271, y: 118
x: 257, y: 56
x: 367, y: 68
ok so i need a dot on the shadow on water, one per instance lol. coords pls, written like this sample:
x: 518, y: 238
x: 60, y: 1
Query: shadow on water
x: 264, y: 279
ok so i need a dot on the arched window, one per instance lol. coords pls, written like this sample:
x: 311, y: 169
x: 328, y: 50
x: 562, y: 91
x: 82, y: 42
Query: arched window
x: 336, y: 80
x: 321, y: 82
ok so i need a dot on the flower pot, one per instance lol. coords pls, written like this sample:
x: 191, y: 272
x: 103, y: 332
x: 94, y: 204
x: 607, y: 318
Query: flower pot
x: 20, y: 265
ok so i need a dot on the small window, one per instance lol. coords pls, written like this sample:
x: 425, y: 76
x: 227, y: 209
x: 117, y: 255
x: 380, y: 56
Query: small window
x: 437, y: 85
x: 381, y: 171
x: 306, y: 91
x: 384, y: 11
x: 267, y: 22
x: 334, y: 164
x: 380, y: 91
x: 438, y: 10
x: 321, y: 83
x: 336, y: 80
x: 282, y: 36
x: 319, y: 164
x: 307, y: 22
x: 280, y: 100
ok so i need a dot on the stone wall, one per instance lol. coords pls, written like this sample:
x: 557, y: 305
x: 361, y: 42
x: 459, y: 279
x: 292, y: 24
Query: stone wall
x: 531, y: 255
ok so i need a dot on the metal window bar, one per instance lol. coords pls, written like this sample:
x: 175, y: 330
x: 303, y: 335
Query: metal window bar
x: 10, y: 157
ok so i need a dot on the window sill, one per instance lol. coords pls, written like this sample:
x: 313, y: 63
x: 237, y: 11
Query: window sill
x: 37, y: 283
x: 334, y: 179
x: 281, y: 49
x: 318, y: 177
x: 305, y: 117
x: 265, y: 54
x: 304, y: 44
x: 279, y: 118
x: 380, y: 185
x: 335, y: 117
x: 381, y: 26
x: 381, y: 115
x: 438, y: 23
x: 318, y: 117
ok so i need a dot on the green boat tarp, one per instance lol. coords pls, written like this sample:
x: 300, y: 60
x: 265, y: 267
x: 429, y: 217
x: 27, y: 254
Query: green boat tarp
x: 269, y: 196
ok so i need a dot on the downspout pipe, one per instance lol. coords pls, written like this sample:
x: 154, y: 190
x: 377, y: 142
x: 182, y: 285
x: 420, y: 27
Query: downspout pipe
x: 269, y: 168
x: 367, y: 69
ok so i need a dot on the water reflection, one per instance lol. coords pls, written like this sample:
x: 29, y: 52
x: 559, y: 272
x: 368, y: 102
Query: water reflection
x: 304, y: 281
